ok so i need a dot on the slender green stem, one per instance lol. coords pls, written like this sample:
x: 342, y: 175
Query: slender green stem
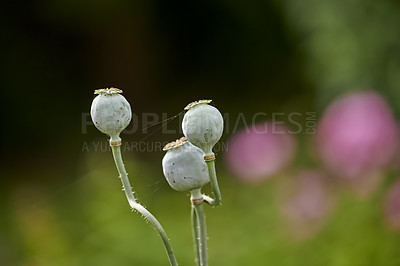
x: 202, y: 233
x: 195, y: 232
x: 214, y: 185
x: 116, y: 150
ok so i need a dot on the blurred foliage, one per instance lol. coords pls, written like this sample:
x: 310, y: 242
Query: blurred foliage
x: 89, y: 223
x: 347, y: 45
x: 63, y: 206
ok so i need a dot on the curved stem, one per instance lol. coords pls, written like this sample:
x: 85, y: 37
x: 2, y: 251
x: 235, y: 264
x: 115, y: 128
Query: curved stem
x: 202, y: 233
x: 116, y: 150
x: 195, y: 232
x: 214, y: 185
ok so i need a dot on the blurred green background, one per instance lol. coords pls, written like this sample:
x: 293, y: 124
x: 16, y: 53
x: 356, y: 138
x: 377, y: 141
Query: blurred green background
x: 62, y: 204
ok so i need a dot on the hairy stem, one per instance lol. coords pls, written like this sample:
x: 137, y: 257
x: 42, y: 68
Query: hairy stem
x: 202, y: 233
x: 214, y: 185
x: 116, y: 150
x: 195, y: 232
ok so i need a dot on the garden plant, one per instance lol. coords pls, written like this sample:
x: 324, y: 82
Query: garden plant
x: 188, y: 164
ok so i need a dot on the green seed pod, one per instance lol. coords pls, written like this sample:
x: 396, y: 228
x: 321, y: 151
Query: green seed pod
x: 111, y: 112
x: 184, y: 166
x: 203, y: 125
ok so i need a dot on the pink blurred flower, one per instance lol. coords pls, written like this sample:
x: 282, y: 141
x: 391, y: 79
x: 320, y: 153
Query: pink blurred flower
x: 307, y: 201
x: 260, y: 151
x: 357, y: 135
x: 392, y: 206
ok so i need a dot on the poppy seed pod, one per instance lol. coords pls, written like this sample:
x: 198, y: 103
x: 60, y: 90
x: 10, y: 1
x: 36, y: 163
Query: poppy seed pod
x: 203, y: 125
x: 184, y: 166
x: 111, y: 113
